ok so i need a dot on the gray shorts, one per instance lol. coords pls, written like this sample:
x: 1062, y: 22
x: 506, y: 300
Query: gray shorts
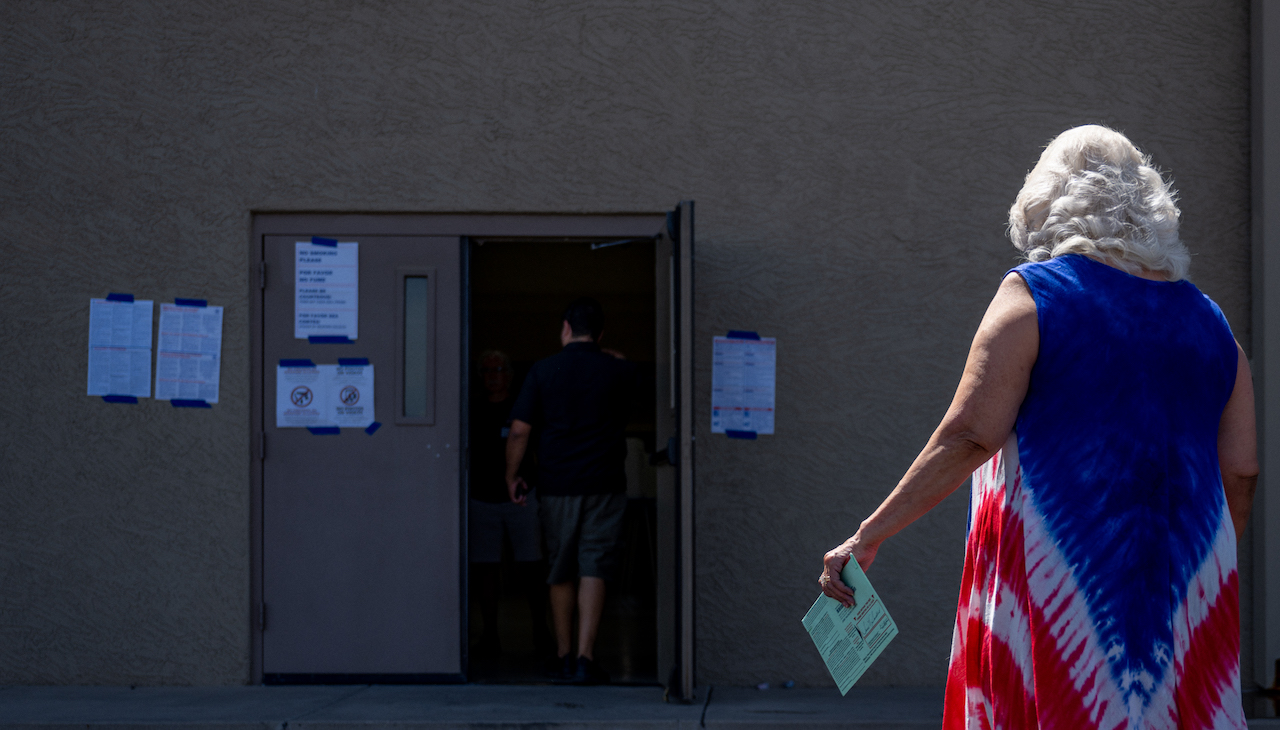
x: 583, y: 532
x: 487, y: 522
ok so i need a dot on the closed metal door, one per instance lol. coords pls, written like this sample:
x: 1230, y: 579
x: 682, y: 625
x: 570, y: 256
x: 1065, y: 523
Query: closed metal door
x: 361, y: 533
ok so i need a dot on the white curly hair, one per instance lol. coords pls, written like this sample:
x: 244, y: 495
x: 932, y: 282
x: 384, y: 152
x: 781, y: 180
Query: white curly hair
x: 1094, y: 193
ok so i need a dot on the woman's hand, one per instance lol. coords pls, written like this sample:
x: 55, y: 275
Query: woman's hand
x: 980, y: 419
x: 835, y: 560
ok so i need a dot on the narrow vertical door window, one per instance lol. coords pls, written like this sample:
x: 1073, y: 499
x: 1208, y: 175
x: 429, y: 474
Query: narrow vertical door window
x: 417, y: 346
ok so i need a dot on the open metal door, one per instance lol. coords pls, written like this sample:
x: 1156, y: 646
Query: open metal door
x: 674, y: 418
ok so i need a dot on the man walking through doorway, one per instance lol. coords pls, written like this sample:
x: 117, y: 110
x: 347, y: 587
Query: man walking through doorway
x: 580, y: 400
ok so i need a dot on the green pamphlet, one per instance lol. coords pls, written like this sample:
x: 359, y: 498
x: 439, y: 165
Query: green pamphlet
x: 850, y: 639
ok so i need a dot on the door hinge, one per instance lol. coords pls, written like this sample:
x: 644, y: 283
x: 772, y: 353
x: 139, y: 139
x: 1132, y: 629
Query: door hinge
x: 262, y: 616
x: 262, y: 274
x: 262, y: 445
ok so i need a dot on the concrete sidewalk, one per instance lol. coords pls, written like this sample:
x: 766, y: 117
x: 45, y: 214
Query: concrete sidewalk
x: 446, y: 707
x: 449, y: 707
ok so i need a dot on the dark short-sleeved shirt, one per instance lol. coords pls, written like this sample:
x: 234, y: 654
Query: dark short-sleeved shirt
x: 490, y: 423
x: 579, y: 400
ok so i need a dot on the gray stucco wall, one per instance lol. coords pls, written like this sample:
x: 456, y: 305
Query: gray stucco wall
x: 851, y: 163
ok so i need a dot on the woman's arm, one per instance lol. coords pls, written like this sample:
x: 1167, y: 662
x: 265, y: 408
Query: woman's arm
x: 1238, y: 446
x: 979, y: 421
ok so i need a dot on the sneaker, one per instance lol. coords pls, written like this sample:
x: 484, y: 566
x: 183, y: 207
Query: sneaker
x: 588, y: 672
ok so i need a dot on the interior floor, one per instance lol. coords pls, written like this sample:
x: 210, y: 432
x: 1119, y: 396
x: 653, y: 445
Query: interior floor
x: 519, y: 290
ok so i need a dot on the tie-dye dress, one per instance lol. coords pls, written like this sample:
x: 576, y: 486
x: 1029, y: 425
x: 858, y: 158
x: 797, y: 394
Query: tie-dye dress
x: 1099, y: 586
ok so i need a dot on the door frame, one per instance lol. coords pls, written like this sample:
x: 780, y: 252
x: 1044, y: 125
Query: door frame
x: 1264, y: 349
x: 466, y: 226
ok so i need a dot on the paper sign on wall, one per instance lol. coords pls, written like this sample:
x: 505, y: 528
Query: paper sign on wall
x: 326, y: 290
x: 189, y: 353
x: 120, y: 347
x: 324, y: 395
x: 743, y: 372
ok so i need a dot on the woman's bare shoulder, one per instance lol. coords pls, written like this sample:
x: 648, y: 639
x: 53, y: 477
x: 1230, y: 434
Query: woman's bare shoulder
x: 1013, y: 302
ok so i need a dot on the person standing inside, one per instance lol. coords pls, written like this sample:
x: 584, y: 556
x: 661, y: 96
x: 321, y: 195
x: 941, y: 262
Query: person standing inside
x: 580, y: 400
x: 491, y: 514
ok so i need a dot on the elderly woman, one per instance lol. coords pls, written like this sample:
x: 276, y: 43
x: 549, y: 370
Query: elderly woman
x: 1106, y: 415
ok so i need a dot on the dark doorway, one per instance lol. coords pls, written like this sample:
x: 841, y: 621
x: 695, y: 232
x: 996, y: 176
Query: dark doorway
x: 519, y: 289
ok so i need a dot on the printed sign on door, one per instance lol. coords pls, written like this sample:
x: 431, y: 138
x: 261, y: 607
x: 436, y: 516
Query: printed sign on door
x: 324, y: 395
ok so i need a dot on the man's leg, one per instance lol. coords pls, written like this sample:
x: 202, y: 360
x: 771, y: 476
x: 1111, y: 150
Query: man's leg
x: 563, y: 598
x: 559, y: 516
x: 590, y: 607
x: 597, y: 553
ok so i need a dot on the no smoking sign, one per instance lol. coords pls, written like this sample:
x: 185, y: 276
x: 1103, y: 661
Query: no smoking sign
x: 321, y: 394
x: 301, y: 396
x: 349, y: 395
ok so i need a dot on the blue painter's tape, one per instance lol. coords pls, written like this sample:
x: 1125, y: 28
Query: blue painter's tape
x: 749, y: 435
x: 114, y: 297
x: 189, y: 403
x: 190, y: 302
x: 120, y: 398
x: 353, y: 361
x: 742, y: 335
x: 329, y: 340
x: 284, y: 363
x: 373, y: 427
x: 317, y: 240
x: 324, y: 430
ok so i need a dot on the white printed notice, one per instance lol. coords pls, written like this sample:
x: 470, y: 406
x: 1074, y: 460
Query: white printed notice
x: 349, y: 402
x: 326, y: 290
x: 324, y: 395
x: 120, y: 348
x: 850, y: 639
x: 299, y: 394
x: 743, y: 372
x: 189, y: 353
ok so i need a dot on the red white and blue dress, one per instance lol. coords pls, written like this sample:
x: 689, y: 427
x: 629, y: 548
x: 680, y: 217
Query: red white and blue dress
x: 1100, y: 586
